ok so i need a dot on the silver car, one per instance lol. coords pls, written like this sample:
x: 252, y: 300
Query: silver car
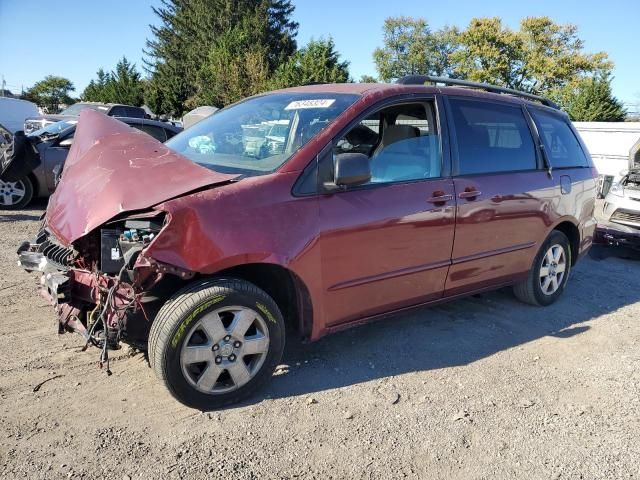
x: 621, y: 211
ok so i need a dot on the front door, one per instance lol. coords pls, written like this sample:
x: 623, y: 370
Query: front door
x: 387, y: 244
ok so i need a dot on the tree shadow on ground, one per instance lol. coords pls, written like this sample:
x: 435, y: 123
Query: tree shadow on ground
x: 453, y: 334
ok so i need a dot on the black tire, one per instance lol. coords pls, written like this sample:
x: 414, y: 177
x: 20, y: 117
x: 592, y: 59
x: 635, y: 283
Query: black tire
x: 26, y: 198
x: 168, y: 336
x: 530, y: 291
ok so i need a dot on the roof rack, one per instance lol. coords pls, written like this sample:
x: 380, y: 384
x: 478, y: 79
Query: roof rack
x: 422, y: 79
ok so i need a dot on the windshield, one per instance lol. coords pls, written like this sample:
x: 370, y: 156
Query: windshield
x: 258, y: 135
x: 53, y: 128
x: 76, y: 108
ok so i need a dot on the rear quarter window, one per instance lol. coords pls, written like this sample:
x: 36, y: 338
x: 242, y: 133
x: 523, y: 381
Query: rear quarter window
x: 158, y: 133
x: 118, y: 112
x: 560, y: 143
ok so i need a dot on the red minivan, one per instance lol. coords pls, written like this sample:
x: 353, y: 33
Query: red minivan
x: 309, y: 209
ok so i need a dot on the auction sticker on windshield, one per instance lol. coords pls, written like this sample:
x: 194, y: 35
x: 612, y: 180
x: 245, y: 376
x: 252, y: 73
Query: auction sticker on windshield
x: 318, y: 103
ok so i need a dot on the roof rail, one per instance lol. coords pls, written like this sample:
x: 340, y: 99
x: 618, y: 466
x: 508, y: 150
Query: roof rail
x: 422, y: 79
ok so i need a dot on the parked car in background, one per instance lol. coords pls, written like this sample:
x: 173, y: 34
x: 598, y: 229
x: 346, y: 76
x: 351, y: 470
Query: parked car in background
x: 621, y: 211
x: 372, y: 202
x: 52, y: 144
x: 197, y: 114
x: 14, y: 112
x: 5, y: 136
x: 34, y: 123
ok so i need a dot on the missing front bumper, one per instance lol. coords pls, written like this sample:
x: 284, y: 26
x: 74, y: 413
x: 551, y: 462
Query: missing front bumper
x: 618, y: 236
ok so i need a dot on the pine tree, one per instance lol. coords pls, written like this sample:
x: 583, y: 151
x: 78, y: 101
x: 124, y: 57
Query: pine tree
x: 180, y: 54
x: 591, y: 100
x: 317, y: 62
x: 122, y: 85
x: 95, y: 91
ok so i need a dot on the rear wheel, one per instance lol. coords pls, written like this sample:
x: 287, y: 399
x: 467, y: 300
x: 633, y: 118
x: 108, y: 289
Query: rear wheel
x: 216, y: 342
x: 549, y: 273
x: 15, y: 195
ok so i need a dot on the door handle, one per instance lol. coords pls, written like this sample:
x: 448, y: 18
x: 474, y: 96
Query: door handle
x: 470, y: 194
x: 440, y: 198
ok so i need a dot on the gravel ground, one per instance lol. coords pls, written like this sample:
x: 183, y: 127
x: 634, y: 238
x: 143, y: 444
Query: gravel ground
x: 481, y: 388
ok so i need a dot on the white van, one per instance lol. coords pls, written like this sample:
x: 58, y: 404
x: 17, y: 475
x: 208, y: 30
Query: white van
x: 13, y: 113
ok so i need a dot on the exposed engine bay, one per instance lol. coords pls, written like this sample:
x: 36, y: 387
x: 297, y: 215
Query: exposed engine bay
x: 632, y: 180
x: 100, y: 286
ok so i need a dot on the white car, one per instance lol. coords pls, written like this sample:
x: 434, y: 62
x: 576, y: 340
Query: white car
x: 621, y: 212
x: 13, y: 113
x: 622, y: 203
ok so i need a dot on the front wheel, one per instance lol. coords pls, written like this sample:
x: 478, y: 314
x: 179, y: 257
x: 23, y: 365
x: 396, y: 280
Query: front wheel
x: 216, y: 342
x: 549, y: 273
x: 15, y: 195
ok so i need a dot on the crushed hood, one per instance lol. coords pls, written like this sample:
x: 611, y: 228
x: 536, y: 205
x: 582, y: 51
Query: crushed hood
x: 113, y: 168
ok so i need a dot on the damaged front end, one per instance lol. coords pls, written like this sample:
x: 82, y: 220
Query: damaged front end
x: 99, y: 223
x: 101, y: 286
x: 621, y: 213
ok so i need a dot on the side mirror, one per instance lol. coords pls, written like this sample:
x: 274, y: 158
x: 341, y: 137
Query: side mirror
x: 352, y: 169
x: 66, y: 143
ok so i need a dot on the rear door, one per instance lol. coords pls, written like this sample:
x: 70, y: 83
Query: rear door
x: 387, y: 244
x: 502, y: 193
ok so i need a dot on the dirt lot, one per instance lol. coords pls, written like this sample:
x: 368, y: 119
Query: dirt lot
x: 482, y: 388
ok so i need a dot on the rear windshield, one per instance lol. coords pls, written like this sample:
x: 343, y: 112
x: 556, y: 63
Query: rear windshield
x: 258, y: 135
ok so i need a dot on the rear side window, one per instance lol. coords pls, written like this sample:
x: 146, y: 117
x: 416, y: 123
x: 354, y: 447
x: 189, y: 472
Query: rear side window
x: 134, y: 112
x: 491, y: 137
x: 560, y: 143
x: 118, y: 112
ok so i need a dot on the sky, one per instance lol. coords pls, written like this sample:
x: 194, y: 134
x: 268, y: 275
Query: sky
x: 76, y: 37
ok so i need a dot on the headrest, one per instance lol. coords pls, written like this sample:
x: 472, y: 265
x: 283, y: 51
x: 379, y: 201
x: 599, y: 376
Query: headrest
x: 395, y: 133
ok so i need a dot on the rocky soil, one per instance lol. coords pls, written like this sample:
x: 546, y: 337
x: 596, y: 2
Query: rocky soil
x: 482, y: 388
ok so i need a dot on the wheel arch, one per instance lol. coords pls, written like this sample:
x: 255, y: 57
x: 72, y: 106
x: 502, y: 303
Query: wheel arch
x: 35, y: 184
x: 285, y: 287
x: 570, y: 229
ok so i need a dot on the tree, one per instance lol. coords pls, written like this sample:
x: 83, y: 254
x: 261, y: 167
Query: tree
x: 540, y: 56
x: 122, y: 85
x: 191, y: 32
x: 411, y: 48
x: 317, y: 62
x: 368, y: 79
x: 590, y: 100
x: 234, y: 68
x: 96, y: 90
x: 51, y: 92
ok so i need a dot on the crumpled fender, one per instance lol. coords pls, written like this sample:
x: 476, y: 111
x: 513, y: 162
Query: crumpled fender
x: 236, y: 224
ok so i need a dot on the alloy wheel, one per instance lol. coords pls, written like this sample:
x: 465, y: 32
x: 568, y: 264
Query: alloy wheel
x: 225, y: 349
x: 553, y: 269
x: 12, y: 193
